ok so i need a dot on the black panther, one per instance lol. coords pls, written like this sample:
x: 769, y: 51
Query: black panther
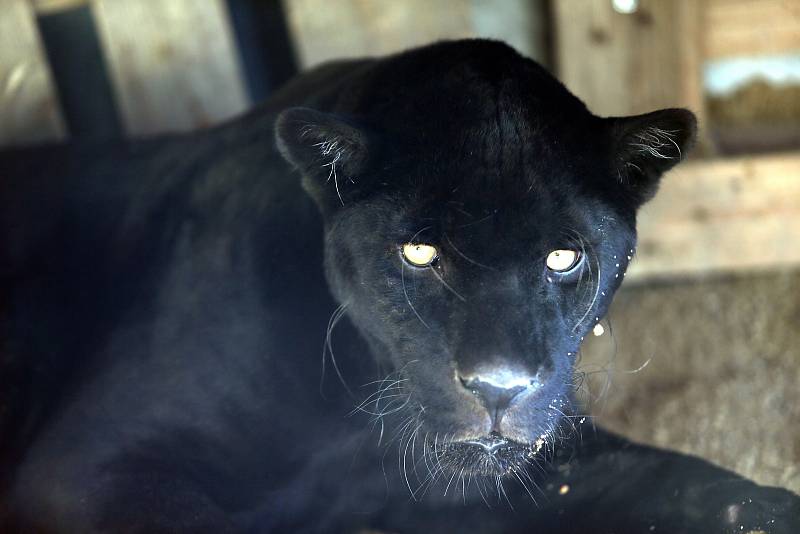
x: 435, y: 232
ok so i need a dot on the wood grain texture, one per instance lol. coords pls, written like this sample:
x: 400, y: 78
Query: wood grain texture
x: 622, y: 64
x: 722, y: 215
x: 625, y: 64
x: 46, y: 7
x: 357, y: 28
x: 173, y: 64
x: 752, y: 27
x: 29, y: 109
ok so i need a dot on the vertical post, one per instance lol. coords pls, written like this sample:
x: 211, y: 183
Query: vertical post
x: 173, y: 64
x: 29, y: 108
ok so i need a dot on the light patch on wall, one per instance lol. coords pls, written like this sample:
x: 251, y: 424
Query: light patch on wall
x: 626, y: 7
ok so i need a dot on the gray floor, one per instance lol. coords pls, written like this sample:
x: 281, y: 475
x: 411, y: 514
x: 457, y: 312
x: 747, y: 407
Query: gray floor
x: 709, y: 367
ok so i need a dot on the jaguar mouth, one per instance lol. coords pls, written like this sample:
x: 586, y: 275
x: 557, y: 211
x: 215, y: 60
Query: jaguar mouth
x: 491, y: 444
x: 492, y: 455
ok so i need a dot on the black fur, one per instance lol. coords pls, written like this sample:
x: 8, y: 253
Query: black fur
x: 166, y: 305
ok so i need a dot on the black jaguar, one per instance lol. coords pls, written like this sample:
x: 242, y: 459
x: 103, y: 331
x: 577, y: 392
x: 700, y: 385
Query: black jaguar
x: 434, y: 232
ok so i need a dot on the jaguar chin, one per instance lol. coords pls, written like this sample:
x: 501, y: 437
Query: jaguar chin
x: 490, y: 456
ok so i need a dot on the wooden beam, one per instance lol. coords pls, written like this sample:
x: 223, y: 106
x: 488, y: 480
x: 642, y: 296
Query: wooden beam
x: 752, y: 27
x: 691, y: 20
x: 625, y: 64
x: 621, y: 64
x: 370, y: 28
x: 47, y: 7
x: 722, y: 215
x: 29, y: 109
x: 358, y: 28
x: 173, y: 65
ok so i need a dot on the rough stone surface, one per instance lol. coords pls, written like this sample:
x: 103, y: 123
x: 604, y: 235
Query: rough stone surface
x: 709, y: 367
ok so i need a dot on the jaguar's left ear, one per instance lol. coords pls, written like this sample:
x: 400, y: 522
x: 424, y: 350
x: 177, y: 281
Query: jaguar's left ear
x: 330, y: 151
x: 646, y: 146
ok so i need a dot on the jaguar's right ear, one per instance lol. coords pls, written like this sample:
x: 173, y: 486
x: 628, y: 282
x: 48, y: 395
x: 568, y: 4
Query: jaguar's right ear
x: 646, y: 146
x: 330, y: 152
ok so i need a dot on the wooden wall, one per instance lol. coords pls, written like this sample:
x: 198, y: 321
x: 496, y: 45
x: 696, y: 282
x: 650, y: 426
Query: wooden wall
x: 751, y: 27
x: 722, y: 215
x: 712, y: 214
x: 174, y: 66
x: 621, y: 64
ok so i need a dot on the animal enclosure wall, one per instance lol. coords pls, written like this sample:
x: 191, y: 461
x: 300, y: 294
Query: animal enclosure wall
x: 714, y: 296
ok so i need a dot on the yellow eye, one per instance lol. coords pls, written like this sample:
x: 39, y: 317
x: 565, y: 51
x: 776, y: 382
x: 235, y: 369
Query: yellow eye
x: 562, y: 260
x: 419, y: 255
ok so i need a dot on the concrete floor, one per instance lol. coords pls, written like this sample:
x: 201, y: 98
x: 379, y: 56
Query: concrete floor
x: 709, y: 367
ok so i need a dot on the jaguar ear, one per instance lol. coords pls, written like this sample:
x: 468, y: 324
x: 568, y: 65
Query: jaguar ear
x: 328, y: 150
x: 646, y: 146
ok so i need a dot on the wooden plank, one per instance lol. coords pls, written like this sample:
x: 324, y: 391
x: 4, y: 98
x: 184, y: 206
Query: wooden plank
x: 357, y: 28
x: 522, y: 24
x: 46, y: 7
x: 752, y: 27
x: 692, y: 21
x: 722, y: 215
x: 173, y: 64
x: 591, y: 54
x: 370, y: 28
x: 624, y: 64
x: 621, y: 64
x: 29, y: 110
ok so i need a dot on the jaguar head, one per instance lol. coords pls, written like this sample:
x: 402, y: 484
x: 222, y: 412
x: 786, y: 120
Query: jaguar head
x: 477, y: 225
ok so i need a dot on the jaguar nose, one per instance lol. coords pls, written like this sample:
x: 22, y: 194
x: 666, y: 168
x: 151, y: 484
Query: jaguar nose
x: 497, y: 388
